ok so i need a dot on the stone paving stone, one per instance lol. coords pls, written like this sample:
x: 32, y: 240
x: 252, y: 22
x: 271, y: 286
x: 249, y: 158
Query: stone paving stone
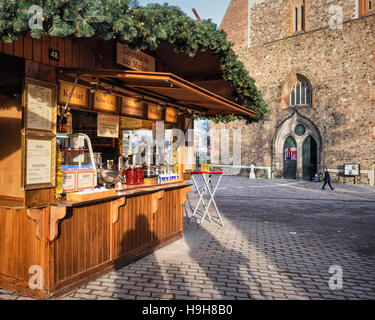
x: 100, y: 293
x: 123, y: 296
x: 255, y: 256
x: 85, y: 296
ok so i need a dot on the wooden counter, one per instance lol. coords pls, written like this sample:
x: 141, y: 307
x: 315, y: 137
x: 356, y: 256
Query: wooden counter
x: 127, y: 191
x: 75, y: 242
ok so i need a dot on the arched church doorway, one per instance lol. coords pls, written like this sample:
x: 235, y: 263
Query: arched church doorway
x: 296, y: 148
x: 310, y: 158
x: 290, y: 158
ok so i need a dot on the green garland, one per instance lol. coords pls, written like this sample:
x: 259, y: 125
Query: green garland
x: 59, y: 175
x: 142, y: 28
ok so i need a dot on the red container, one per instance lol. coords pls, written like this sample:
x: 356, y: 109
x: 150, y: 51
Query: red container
x: 140, y: 176
x: 131, y: 176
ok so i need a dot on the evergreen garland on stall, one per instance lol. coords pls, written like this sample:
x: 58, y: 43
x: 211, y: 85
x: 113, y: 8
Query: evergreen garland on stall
x: 142, y: 28
x: 59, y: 175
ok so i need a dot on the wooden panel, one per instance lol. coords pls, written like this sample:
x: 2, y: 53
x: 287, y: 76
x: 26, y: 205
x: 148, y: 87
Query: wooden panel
x: 61, y: 48
x: 18, y: 47
x: 83, y: 237
x: 169, y: 215
x: 1, y: 46
x: 68, y: 56
x: 82, y: 63
x: 37, y: 50
x: 75, y: 53
x: 8, y: 48
x: 10, y: 151
x: 90, y: 59
x: 132, y: 233
x: 28, y: 47
x: 108, y: 48
x: 46, y: 73
x: 31, y: 69
x: 45, y: 49
x: 19, y: 249
x: 35, y: 198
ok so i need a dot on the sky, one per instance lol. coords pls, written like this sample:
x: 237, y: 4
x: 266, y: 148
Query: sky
x: 207, y: 9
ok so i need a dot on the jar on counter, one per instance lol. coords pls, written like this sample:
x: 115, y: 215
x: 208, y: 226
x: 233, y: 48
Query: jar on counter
x: 131, y: 176
x: 139, y: 175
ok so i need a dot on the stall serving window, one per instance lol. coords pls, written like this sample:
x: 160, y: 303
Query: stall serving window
x: 139, y: 146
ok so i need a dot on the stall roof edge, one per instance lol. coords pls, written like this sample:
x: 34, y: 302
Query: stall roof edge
x: 166, y: 85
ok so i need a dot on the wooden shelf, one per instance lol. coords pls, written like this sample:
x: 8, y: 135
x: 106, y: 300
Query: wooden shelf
x: 102, y: 145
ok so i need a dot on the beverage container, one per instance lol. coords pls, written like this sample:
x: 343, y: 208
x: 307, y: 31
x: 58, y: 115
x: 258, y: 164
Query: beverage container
x: 131, y: 176
x: 139, y: 175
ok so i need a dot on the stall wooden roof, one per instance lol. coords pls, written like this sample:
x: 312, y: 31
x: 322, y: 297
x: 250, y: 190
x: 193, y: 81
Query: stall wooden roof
x: 164, y: 88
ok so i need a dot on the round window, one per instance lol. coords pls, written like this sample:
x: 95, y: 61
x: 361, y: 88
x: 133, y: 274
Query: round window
x: 300, y: 130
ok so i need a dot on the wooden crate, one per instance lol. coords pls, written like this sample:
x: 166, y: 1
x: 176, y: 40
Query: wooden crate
x: 149, y: 181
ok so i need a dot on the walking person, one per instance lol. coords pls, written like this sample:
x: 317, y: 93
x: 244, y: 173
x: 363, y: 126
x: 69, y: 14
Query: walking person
x: 327, y: 179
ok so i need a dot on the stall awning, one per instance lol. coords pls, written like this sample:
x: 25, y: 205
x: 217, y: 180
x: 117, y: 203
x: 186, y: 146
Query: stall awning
x: 164, y: 87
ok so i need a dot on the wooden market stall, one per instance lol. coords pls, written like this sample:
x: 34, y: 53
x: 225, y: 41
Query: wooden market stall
x: 49, y: 247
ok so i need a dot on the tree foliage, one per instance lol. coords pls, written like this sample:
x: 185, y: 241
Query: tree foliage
x: 140, y: 27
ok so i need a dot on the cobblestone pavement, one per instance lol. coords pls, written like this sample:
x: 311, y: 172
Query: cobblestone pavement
x: 279, y: 241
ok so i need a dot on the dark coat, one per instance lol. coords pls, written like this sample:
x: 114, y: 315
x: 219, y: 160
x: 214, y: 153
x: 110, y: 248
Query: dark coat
x: 327, y: 177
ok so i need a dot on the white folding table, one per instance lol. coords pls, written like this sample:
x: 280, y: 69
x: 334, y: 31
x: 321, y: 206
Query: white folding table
x: 209, y: 190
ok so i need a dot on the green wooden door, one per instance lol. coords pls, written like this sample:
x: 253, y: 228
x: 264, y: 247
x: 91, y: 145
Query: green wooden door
x: 290, y: 160
x: 309, y: 162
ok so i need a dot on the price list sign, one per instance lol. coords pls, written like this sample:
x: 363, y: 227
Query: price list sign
x: 38, y: 162
x: 40, y: 106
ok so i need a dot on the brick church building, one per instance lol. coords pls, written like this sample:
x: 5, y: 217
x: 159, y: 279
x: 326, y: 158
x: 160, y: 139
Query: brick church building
x: 314, y: 62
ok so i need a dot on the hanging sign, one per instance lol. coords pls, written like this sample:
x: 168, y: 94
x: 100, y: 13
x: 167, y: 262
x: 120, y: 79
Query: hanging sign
x: 78, y: 98
x: 108, y: 126
x: 104, y: 102
x: 130, y: 107
x: 134, y: 60
x: 171, y: 115
x: 154, y: 113
x: 130, y: 123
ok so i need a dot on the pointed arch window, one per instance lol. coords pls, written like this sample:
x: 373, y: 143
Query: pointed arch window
x: 301, y: 94
x: 370, y: 6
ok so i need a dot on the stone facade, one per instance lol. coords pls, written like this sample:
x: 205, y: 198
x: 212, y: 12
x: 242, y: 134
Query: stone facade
x: 338, y: 62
